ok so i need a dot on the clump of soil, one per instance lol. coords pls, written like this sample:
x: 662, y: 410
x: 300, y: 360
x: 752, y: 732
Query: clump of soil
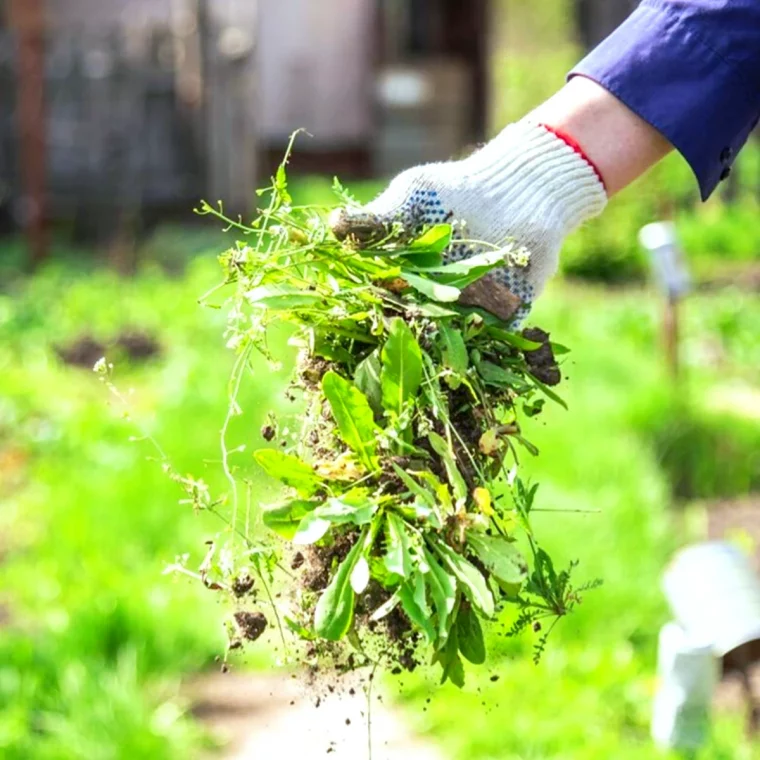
x: 250, y: 625
x: 138, y: 345
x: 243, y: 584
x: 391, y: 640
x: 82, y: 352
x: 311, y: 370
x: 541, y: 362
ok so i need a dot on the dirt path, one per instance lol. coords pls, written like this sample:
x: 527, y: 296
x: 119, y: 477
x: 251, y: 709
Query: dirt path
x: 271, y: 715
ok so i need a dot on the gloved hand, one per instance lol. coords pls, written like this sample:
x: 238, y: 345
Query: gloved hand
x: 528, y: 187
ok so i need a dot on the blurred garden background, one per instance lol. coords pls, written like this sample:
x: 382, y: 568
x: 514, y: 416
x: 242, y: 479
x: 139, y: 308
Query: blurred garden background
x: 100, y: 254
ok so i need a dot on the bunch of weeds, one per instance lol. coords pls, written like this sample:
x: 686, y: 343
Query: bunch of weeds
x: 404, y: 524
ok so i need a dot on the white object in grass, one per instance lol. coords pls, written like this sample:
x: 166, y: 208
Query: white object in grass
x: 687, y: 672
x: 715, y: 595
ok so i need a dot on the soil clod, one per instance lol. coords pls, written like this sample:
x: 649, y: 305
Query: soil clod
x: 541, y: 362
x: 250, y: 624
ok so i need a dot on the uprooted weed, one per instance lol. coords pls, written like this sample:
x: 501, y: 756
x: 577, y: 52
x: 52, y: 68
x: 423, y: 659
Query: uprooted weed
x: 404, y: 523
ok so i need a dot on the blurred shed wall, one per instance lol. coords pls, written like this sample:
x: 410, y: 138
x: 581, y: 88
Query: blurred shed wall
x: 314, y: 63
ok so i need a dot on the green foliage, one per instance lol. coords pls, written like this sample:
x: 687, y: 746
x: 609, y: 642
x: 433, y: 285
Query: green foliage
x: 470, y: 636
x: 499, y: 556
x: 399, y: 385
x: 289, y: 470
x: 706, y: 455
x: 88, y: 522
x: 353, y: 416
x: 402, y: 367
x: 335, y: 609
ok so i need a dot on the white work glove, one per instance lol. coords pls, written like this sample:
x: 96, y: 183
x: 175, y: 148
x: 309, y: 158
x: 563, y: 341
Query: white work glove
x: 527, y: 187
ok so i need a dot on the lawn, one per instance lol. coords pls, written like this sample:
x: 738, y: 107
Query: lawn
x: 96, y: 638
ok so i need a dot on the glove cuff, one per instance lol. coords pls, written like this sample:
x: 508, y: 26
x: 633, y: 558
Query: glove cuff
x: 538, y: 173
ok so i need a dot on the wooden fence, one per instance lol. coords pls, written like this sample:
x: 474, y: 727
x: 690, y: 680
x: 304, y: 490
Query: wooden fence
x: 136, y: 125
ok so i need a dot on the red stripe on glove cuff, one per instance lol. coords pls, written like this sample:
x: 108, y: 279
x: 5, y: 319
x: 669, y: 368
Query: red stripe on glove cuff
x: 568, y: 140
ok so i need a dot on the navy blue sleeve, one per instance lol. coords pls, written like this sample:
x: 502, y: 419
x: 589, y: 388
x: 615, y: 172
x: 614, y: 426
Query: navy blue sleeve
x: 691, y: 68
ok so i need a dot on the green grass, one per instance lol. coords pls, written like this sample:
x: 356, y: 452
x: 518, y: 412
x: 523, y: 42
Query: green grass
x: 97, y: 638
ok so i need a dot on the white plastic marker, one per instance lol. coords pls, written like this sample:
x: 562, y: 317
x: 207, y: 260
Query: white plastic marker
x: 661, y: 243
x: 687, y: 673
x: 715, y: 595
x: 665, y: 256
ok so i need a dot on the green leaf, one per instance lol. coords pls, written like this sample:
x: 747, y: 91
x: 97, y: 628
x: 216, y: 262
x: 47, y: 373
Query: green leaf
x: 453, y: 353
x: 284, y: 519
x: 433, y: 310
x: 436, y: 239
x: 548, y: 392
x: 311, y: 529
x: 514, y: 339
x: 303, y: 633
x: 283, y: 297
x: 500, y: 556
x: 499, y: 377
x: 398, y: 558
x: 469, y: 577
x: 414, y: 612
x: 451, y: 662
x: 414, y: 486
x: 289, y: 470
x: 281, y: 183
x: 342, y: 193
x: 442, y: 591
x: 418, y: 511
x: 323, y: 344
x: 353, y: 416
x: 340, y: 510
x: 470, y: 636
x: 460, y: 274
x: 335, y: 512
x: 532, y: 448
x: 402, y: 367
x: 419, y: 261
x: 455, y: 477
x: 367, y: 380
x: 433, y: 290
x: 335, y: 608
x: 486, y: 260
x: 438, y: 401
x: 420, y: 593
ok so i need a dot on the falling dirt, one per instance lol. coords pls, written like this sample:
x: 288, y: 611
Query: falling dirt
x: 274, y: 715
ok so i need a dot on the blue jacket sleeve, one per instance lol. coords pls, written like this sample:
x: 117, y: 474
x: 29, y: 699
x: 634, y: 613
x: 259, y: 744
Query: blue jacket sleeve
x: 691, y: 68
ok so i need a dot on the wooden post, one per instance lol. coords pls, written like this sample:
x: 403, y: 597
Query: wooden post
x: 226, y: 51
x: 661, y: 243
x: 671, y: 334
x: 28, y: 20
